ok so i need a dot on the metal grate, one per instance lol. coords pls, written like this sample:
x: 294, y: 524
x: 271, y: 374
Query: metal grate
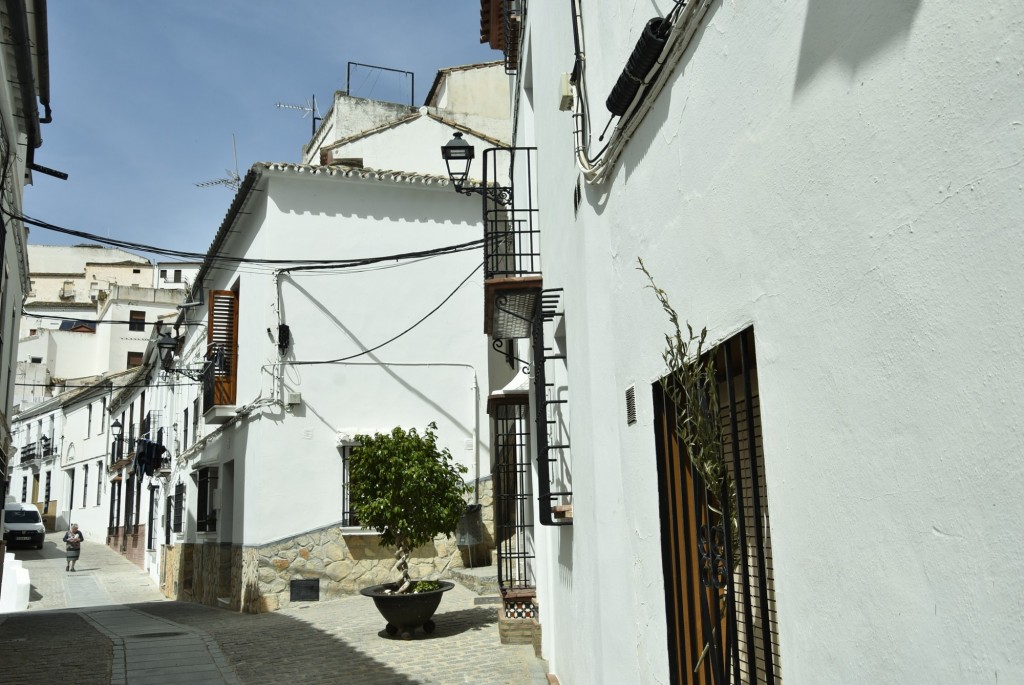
x: 513, y: 514
x: 304, y: 590
x: 716, y: 546
x: 631, y: 405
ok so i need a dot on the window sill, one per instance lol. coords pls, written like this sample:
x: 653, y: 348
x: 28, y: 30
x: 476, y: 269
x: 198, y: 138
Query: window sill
x: 357, y: 531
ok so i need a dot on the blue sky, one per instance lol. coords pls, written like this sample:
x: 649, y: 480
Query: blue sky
x: 146, y: 97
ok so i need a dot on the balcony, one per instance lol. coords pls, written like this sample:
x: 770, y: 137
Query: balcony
x: 512, y: 273
x: 29, y: 453
x: 218, y: 388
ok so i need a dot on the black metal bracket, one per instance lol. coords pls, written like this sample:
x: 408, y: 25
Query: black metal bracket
x: 497, y: 194
x: 498, y: 345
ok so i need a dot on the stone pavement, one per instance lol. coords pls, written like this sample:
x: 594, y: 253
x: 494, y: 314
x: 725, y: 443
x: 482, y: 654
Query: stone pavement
x: 108, y: 623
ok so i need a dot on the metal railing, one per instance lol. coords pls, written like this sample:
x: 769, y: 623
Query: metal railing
x: 511, y: 233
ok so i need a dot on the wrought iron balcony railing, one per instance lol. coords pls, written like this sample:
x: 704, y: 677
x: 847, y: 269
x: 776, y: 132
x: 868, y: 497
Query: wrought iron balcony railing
x: 512, y: 269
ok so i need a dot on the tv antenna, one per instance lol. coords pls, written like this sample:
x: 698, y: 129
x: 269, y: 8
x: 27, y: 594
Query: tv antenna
x: 308, y: 109
x: 232, y: 180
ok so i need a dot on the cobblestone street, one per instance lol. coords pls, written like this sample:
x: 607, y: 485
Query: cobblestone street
x: 108, y: 623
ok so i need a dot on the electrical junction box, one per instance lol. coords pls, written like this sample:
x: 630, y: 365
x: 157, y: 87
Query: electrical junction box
x: 292, y: 398
x: 564, y: 94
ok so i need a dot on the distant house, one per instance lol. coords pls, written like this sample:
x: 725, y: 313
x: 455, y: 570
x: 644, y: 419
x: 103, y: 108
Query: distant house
x: 338, y: 297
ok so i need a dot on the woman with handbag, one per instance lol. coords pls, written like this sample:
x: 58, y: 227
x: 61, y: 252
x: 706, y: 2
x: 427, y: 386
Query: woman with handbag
x: 73, y: 539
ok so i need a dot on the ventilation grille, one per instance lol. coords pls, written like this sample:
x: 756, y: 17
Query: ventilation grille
x: 305, y: 590
x: 631, y: 405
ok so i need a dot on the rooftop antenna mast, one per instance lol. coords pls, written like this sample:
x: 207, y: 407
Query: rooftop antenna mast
x: 232, y: 180
x: 308, y: 109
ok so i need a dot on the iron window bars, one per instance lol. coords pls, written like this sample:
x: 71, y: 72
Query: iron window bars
x: 716, y: 546
x: 554, y: 476
x: 513, y: 516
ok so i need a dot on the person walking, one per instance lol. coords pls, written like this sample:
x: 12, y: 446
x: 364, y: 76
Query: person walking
x: 73, y: 539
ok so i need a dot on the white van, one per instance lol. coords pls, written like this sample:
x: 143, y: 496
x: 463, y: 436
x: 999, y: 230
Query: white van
x: 22, y: 525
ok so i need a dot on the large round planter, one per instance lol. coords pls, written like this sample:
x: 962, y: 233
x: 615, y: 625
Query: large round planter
x: 404, y: 613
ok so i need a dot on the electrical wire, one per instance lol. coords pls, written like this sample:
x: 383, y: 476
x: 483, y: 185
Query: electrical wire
x: 196, y: 256
x: 390, y: 340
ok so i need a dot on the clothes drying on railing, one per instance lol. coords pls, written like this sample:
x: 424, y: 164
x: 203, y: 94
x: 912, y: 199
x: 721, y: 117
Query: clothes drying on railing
x: 148, y: 456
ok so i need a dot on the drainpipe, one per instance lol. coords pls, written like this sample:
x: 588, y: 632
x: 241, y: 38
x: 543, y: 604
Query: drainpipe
x: 43, y: 59
x: 23, y: 59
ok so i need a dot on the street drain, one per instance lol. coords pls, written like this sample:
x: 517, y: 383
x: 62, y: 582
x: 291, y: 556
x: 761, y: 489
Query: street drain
x: 152, y: 635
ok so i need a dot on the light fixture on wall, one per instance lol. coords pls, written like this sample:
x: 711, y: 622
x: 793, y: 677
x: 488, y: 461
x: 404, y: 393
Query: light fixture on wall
x: 166, y: 346
x: 458, y: 155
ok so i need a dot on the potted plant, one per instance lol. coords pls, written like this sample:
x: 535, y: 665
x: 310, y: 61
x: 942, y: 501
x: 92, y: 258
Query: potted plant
x: 409, y: 491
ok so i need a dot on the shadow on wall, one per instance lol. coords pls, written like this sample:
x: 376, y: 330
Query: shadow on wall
x: 850, y: 33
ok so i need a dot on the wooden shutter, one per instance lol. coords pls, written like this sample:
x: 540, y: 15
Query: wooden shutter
x: 222, y: 344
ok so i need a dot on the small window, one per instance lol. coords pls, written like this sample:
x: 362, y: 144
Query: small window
x: 35, y: 360
x: 85, y: 484
x: 179, y: 506
x: 163, y: 274
x: 177, y: 275
x: 136, y: 321
x: 134, y: 359
x: 184, y: 435
x: 136, y: 271
x: 206, y: 512
x: 348, y: 518
x: 33, y: 331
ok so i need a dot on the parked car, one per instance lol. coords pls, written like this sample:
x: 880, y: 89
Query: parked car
x: 22, y: 525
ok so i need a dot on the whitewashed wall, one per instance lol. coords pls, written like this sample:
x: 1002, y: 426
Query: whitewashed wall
x: 846, y: 178
x: 288, y: 469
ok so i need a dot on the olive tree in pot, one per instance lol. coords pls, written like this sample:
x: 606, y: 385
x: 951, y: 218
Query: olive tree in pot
x: 408, y: 490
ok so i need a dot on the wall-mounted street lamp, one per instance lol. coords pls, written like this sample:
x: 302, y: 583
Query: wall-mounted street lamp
x: 166, y: 346
x: 117, y: 430
x: 458, y: 155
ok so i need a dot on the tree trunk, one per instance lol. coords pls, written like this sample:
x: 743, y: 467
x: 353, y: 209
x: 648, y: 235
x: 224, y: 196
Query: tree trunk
x: 402, y: 554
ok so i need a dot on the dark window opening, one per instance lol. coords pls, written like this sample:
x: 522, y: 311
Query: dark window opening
x: 348, y: 517
x: 206, y: 512
x: 136, y: 320
x: 179, y: 506
x: 134, y: 359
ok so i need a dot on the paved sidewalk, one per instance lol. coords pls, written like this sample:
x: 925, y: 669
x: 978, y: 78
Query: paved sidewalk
x: 108, y: 623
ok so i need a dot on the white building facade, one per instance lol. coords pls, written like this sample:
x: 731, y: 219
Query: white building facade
x: 832, y: 190
x: 355, y: 310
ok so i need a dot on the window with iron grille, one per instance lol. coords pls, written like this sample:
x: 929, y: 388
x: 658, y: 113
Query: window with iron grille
x: 206, y: 513
x: 85, y: 484
x: 168, y: 515
x: 513, y: 515
x: 716, y: 542
x: 129, y: 503
x: 348, y: 518
x: 151, y: 529
x: 24, y: 489
x: 114, y: 522
x: 99, y: 482
x: 184, y: 434
x: 179, y: 505
x: 136, y: 320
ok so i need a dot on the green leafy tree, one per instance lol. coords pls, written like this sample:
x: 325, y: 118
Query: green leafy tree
x: 406, y: 489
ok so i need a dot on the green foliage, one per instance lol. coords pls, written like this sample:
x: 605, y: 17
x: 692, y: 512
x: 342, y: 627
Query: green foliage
x: 425, y: 586
x: 405, y: 488
x: 692, y: 386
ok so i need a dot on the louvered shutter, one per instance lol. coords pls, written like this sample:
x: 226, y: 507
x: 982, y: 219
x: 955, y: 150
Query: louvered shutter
x: 222, y: 344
